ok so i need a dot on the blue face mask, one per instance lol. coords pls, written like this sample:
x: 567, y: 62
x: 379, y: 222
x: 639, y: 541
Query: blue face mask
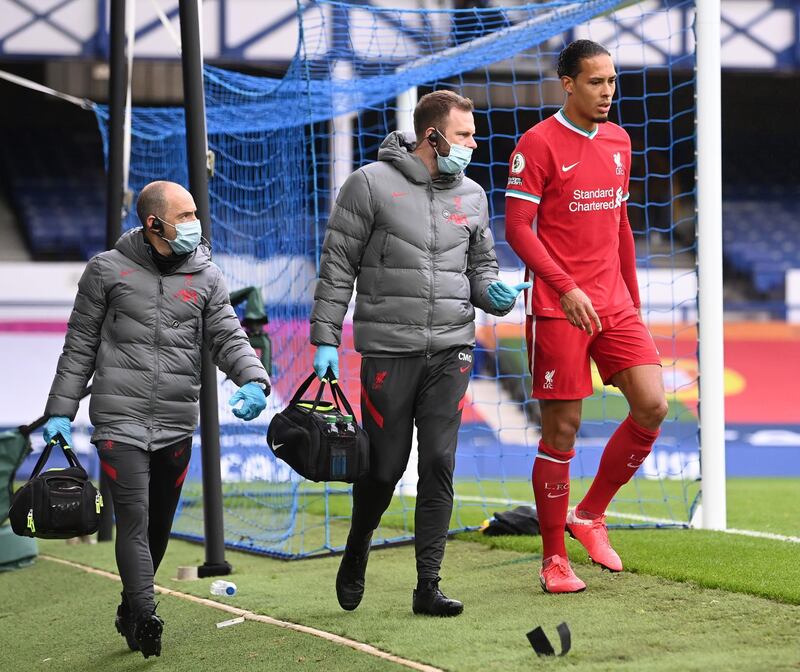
x: 456, y: 162
x: 187, y: 238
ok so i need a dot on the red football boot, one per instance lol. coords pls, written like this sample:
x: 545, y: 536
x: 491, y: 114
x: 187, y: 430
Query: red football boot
x: 556, y: 576
x: 593, y: 534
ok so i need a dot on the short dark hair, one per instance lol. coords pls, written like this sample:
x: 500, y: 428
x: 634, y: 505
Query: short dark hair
x: 569, y: 60
x: 152, y: 201
x: 434, y: 108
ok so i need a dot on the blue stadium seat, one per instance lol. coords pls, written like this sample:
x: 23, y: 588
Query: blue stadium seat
x: 761, y: 227
x: 57, y: 189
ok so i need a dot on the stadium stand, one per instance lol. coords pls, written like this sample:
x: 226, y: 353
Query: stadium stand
x: 760, y: 238
x: 761, y: 225
x: 56, y: 187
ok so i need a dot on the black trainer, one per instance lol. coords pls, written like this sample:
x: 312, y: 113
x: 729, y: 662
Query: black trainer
x: 350, y: 577
x: 147, y: 633
x: 124, y: 623
x: 428, y: 599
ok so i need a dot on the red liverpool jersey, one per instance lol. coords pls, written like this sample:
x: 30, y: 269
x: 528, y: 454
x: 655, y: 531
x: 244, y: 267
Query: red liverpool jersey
x: 579, y: 181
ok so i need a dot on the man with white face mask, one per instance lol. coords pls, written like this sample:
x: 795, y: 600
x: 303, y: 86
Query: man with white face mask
x: 142, y: 313
x: 413, y: 231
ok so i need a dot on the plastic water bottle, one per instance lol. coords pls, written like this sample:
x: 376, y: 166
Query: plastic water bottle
x: 347, y: 421
x: 331, y: 428
x: 226, y: 588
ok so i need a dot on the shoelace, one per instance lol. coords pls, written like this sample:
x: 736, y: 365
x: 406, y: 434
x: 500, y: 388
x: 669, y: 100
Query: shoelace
x: 153, y: 613
x: 600, y: 523
x: 562, y: 567
x: 433, y: 584
x: 359, y: 558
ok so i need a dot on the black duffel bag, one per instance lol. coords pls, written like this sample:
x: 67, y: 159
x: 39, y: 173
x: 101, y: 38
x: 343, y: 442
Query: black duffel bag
x: 320, y: 440
x: 56, y: 504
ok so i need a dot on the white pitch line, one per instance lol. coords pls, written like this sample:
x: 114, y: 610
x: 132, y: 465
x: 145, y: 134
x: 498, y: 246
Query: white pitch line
x: 763, y: 535
x: 250, y: 616
x: 520, y: 502
x: 635, y: 516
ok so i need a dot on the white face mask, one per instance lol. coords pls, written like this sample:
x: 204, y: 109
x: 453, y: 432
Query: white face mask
x: 458, y: 159
x: 187, y: 238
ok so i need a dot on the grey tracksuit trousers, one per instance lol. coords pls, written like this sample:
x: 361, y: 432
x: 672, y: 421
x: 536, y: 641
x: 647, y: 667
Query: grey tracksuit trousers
x: 396, y: 392
x: 145, y: 488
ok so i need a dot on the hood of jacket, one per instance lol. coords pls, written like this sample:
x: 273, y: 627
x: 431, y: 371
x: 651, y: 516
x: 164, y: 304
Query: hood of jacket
x: 132, y: 244
x: 398, y: 149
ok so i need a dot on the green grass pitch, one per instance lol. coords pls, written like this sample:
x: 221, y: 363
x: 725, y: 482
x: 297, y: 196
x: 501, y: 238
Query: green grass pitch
x: 688, y: 600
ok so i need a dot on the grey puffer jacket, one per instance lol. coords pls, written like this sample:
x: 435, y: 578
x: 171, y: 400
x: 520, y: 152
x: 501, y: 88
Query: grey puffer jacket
x: 421, y: 250
x: 140, y: 333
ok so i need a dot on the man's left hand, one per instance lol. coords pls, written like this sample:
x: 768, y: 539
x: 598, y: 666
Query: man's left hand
x: 254, y: 400
x: 503, y: 296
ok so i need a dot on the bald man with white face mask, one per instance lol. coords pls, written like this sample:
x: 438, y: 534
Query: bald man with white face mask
x: 142, y: 314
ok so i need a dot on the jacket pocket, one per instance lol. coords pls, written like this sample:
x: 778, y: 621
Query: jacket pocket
x: 377, y: 289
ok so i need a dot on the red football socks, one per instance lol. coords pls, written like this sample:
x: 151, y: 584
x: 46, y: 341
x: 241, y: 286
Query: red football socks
x: 551, y: 490
x: 626, y: 450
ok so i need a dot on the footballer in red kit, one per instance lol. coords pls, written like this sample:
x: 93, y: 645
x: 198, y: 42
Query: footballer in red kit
x: 566, y: 218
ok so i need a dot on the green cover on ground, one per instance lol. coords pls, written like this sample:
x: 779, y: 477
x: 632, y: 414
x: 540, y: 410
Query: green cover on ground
x: 15, y: 552
x: 13, y: 448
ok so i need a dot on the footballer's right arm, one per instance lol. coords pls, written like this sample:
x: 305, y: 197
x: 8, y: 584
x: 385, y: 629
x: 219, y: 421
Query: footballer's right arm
x: 576, y: 305
x: 520, y: 236
x: 529, y: 171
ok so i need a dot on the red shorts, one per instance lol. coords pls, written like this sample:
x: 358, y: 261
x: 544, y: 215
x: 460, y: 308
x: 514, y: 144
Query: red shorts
x: 560, y: 353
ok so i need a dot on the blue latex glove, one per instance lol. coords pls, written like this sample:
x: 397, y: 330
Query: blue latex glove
x: 503, y: 296
x: 254, y: 400
x: 58, y: 424
x: 326, y: 356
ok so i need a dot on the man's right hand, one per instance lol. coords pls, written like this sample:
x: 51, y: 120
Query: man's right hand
x: 326, y: 357
x: 579, y: 311
x: 58, y: 424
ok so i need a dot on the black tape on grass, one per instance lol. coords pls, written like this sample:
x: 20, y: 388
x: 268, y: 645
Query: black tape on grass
x: 542, y: 645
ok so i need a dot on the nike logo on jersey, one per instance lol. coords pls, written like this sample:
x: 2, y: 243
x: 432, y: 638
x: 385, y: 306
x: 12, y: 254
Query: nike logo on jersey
x: 566, y: 169
x: 464, y: 369
x: 550, y: 495
x: 275, y: 446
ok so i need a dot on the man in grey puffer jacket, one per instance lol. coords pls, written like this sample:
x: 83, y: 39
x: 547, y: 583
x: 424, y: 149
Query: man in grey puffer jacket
x: 141, y: 315
x: 413, y: 231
